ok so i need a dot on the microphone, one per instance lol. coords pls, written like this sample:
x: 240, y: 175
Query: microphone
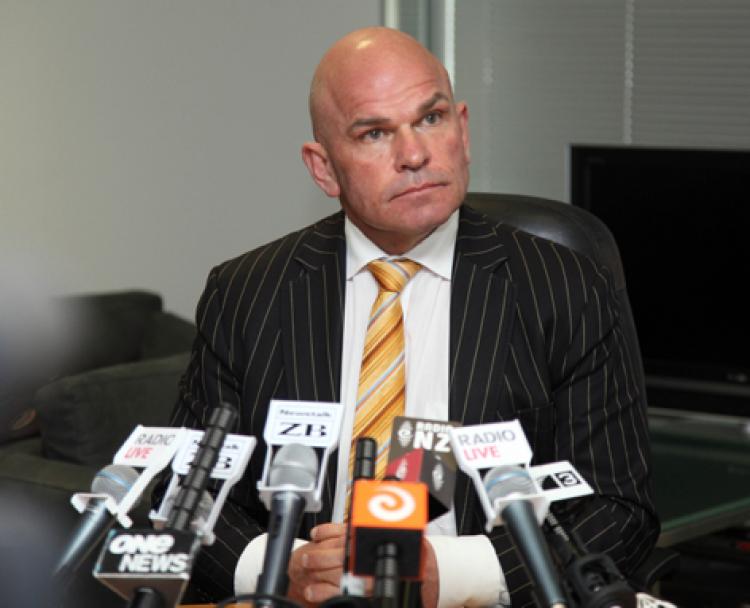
x: 196, y: 481
x: 113, y: 482
x: 150, y: 567
x: 293, y: 472
x: 420, y: 450
x: 388, y: 513
x: 365, y: 455
x: 592, y: 579
x: 506, y: 482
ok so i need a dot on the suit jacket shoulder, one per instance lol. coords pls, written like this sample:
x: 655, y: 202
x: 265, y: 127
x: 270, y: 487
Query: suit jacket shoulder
x: 553, y: 284
x: 281, y: 259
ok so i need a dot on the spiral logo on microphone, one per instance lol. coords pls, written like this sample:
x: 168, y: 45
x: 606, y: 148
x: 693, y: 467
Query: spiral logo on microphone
x: 391, y: 503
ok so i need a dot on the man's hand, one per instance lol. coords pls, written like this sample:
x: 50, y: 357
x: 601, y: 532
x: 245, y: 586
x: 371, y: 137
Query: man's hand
x: 315, y: 569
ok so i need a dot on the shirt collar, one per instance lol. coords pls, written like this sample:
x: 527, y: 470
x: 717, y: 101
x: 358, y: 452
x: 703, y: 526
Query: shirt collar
x: 434, y: 253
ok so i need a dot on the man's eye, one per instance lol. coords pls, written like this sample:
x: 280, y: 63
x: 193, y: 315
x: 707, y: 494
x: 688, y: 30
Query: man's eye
x: 373, y: 134
x: 432, y: 118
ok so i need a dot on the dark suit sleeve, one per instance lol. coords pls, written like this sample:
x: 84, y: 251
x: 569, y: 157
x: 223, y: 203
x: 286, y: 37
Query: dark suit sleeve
x: 210, y: 380
x: 594, y: 417
x: 602, y: 428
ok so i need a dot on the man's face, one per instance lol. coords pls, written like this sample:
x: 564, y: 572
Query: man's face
x: 397, y: 150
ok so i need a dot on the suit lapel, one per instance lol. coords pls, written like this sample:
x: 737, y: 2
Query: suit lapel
x: 481, y: 321
x: 312, y: 328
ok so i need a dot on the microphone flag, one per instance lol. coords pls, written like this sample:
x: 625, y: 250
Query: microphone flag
x: 420, y: 451
x: 388, y: 512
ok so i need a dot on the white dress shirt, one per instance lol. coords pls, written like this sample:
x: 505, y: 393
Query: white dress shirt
x: 469, y: 572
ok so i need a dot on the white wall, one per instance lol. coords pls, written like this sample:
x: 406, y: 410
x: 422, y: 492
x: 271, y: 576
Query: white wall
x: 144, y: 141
x: 539, y: 75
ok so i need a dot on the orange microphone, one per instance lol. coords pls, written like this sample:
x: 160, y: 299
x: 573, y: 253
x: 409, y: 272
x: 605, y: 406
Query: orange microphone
x: 387, y: 526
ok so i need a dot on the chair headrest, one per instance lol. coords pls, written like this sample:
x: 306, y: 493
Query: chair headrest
x: 556, y: 221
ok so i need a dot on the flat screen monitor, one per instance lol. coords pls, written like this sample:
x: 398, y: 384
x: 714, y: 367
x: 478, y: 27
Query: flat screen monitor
x: 681, y: 219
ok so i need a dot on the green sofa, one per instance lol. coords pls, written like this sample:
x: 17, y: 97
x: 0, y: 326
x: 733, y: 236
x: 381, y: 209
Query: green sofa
x: 63, y: 415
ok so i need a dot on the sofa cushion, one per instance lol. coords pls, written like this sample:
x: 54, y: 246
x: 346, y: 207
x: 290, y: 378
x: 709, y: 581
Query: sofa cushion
x: 86, y: 417
x: 46, y: 338
x: 104, y: 329
x: 167, y: 334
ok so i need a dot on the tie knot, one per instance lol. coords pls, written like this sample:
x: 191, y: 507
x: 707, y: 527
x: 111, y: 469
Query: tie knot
x: 393, y: 275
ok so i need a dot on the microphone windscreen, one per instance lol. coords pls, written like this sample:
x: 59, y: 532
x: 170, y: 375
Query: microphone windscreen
x: 115, y: 480
x: 505, y: 481
x: 294, y: 465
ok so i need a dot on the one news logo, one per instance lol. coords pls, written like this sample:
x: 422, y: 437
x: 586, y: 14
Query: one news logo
x: 148, y: 553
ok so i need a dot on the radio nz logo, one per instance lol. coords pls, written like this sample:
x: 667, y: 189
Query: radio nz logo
x: 405, y: 433
x: 392, y: 504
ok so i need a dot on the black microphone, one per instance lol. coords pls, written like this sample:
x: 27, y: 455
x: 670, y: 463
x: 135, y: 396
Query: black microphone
x: 181, y: 542
x: 196, y: 481
x: 113, y: 480
x: 365, y: 456
x: 520, y: 520
x: 153, y: 565
x: 592, y: 579
x: 294, y: 470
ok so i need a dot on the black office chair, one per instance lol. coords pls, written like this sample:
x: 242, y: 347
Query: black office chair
x: 578, y: 230
x: 583, y: 232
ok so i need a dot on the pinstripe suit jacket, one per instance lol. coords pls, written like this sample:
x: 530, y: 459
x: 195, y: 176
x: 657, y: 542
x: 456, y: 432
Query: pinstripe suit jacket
x: 534, y: 335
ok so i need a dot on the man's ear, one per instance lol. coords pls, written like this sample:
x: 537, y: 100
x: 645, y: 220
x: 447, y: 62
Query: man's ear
x: 463, y: 120
x: 316, y: 160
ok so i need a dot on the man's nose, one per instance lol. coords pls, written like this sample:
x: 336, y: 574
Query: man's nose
x: 411, y: 151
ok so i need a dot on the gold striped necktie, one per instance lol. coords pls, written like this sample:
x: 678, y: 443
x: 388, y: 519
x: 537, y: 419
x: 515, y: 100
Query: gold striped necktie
x: 381, y: 395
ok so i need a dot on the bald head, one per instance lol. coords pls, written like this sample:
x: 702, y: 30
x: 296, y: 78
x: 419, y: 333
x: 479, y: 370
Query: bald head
x: 374, y: 54
x: 390, y: 142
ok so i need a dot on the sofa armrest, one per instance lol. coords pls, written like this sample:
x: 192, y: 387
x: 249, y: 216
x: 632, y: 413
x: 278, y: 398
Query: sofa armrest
x: 167, y: 334
x: 85, y: 418
x: 67, y: 477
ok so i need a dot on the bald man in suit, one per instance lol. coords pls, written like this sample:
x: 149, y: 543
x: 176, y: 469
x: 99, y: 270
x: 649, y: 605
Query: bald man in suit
x: 500, y: 325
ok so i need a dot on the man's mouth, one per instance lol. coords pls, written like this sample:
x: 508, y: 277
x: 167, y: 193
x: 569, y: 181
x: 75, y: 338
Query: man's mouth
x: 418, y: 189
